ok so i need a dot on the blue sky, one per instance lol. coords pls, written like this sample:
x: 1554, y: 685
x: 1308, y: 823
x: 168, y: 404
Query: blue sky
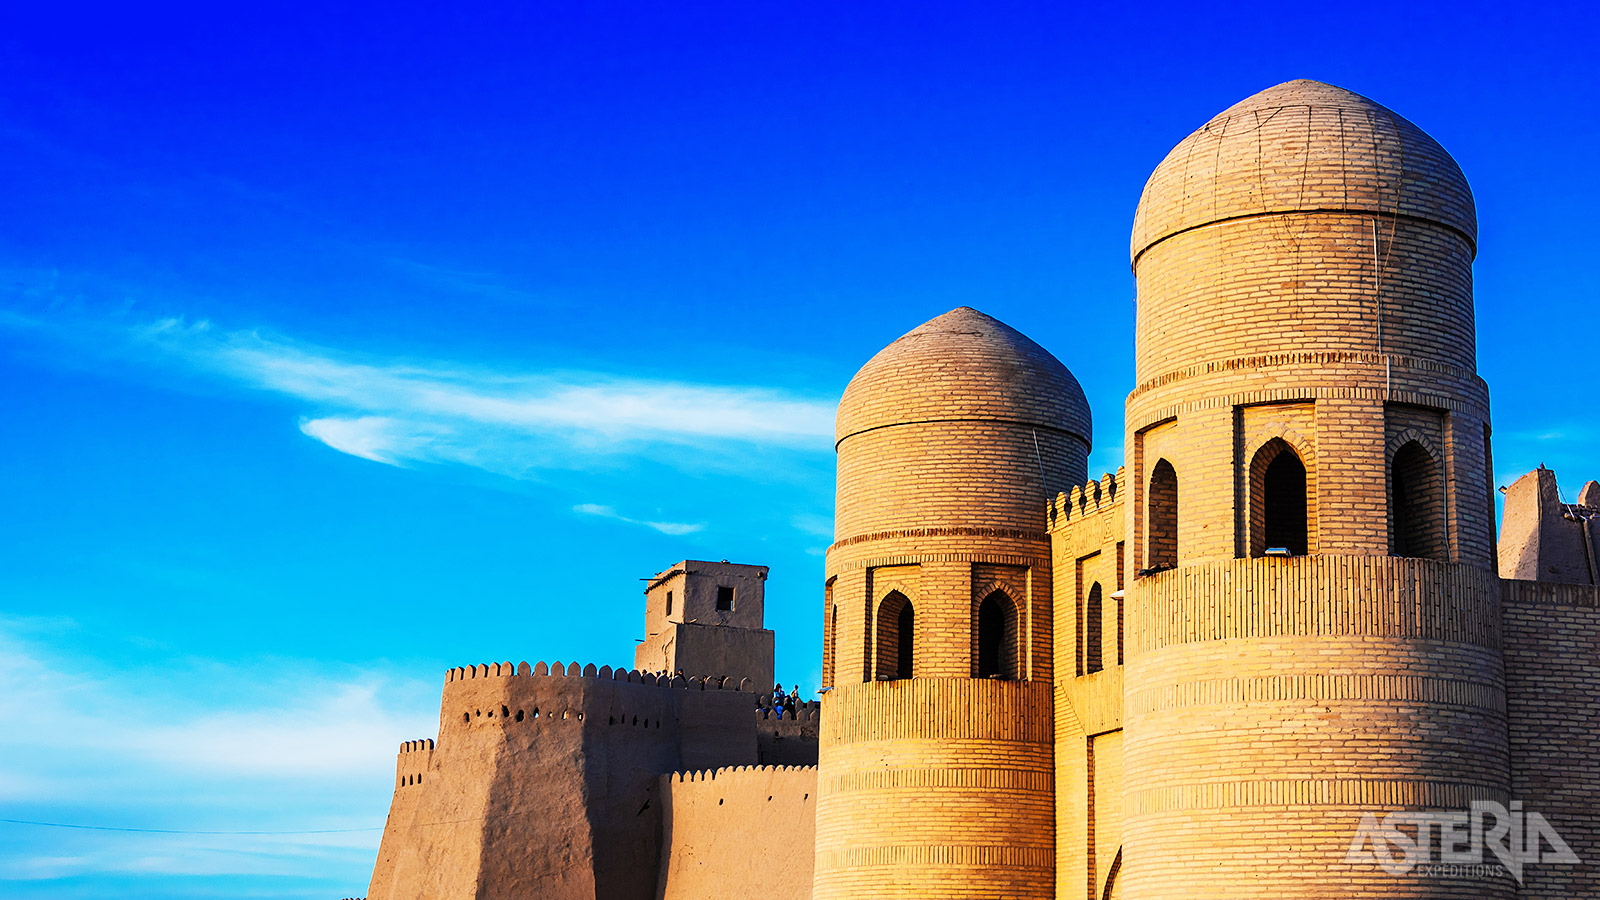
x: 344, y: 345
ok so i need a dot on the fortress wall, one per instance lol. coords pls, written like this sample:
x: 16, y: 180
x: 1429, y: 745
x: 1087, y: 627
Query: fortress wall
x: 1271, y: 702
x: 738, y: 833
x: 936, y: 787
x: 1552, y: 649
x: 789, y: 739
x: 543, y: 781
x: 1538, y: 542
x: 411, y: 769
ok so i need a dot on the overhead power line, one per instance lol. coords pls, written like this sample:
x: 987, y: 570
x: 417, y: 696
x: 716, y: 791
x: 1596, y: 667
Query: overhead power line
x: 175, y: 831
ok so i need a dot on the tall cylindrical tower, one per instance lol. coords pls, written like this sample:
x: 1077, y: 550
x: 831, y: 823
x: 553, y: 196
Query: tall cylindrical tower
x: 936, y: 764
x: 1313, y: 635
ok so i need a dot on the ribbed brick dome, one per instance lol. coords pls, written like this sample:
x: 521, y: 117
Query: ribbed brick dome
x: 1303, y: 145
x: 963, y: 366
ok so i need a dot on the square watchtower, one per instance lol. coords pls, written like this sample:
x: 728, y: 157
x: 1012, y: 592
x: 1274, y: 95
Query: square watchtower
x: 706, y: 619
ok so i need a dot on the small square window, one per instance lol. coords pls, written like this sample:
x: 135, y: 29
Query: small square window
x: 724, y: 599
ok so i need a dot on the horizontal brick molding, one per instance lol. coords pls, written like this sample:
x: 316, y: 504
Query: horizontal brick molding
x: 1299, y: 687
x: 1318, y: 360
x: 1016, y: 533
x: 923, y: 856
x: 1310, y: 792
x: 995, y: 420
x: 911, y: 559
x: 1550, y: 593
x: 988, y: 778
x: 1451, y: 401
x: 1380, y: 596
x: 939, y: 709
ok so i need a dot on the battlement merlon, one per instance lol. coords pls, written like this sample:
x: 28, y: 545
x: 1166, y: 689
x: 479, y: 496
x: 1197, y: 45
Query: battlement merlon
x: 713, y: 774
x: 1087, y: 499
x: 603, y: 673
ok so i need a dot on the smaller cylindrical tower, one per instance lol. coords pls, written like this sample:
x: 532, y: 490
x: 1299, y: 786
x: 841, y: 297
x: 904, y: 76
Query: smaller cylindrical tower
x: 936, y: 759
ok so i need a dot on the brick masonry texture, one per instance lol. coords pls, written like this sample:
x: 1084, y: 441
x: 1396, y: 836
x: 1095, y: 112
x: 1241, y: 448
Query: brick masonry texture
x: 950, y: 440
x: 1305, y: 287
x: 1189, y: 678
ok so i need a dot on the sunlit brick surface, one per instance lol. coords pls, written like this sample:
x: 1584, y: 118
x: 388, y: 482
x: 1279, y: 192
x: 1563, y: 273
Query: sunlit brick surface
x: 1304, y: 267
x: 941, y: 785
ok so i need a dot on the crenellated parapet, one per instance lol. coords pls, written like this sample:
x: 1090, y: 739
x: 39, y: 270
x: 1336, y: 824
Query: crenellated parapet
x: 1087, y: 499
x: 708, y: 821
x: 788, y: 737
x: 604, y: 673
x: 411, y: 764
x: 808, y: 712
x: 731, y: 772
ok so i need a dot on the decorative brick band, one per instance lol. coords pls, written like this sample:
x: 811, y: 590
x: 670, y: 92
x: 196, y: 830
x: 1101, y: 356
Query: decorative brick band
x: 1015, y: 533
x: 939, y: 709
x: 1375, y: 596
x: 1320, y: 359
x: 1271, y: 688
x: 911, y: 559
x: 1452, y: 402
x: 1309, y: 792
x: 923, y: 856
x: 1549, y: 593
x: 986, y: 778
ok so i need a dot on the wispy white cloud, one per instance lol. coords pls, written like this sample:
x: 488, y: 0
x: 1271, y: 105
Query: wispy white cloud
x: 606, y: 512
x: 604, y: 407
x: 507, y: 420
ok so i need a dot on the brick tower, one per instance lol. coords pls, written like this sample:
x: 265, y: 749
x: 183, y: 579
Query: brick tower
x: 1307, y: 459
x: 936, y: 764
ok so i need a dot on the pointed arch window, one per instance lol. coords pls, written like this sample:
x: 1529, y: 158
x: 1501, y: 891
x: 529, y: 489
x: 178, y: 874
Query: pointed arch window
x: 896, y: 638
x: 1416, y: 504
x: 1279, y: 508
x: 997, y: 637
x: 1161, y: 550
x: 830, y: 638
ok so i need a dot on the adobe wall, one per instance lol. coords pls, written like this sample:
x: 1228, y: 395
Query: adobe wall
x: 1086, y: 538
x: 543, y: 782
x: 738, y: 833
x: 709, y: 650
x: 788, y: 739
x: 411, y: 768
x: 1543, y: 539
x: 1552, y: 650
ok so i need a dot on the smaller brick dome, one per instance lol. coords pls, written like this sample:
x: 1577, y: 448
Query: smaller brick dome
x: 1303, y: 146
x: 963, y: 366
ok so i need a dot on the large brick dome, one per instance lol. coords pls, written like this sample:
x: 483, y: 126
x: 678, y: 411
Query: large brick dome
x: 1308, y: 146
x: 964, y: 366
